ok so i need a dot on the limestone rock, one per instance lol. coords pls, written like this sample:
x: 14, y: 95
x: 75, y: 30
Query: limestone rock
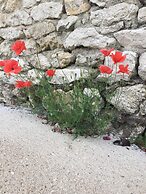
x: 142, y: 15
x: 49, y: 42
x: 87, y: 37
x: 116, y: 13
x: 39, y: 30
x: 18, y: 17
x: 88, y: 57
x: 143, y: 108
x: 130, y: 131
x: 23, y: 62
x: 75, y: 7
x: 11, y: 33
x: 68, y: 75
x: 142, y: 66
x: 35, y: 76
x: 11, y: 5
x: 6, y: 95
x: 114, y: 2
x: 47, y: 10
x: 110, y: 29
x: 5, y: 48
x: 100, y: 3
x: 28, y: 3
x: 40, y: 60
x: 31, y: 47
x: 127, y: 99
x: 3, y: 18
x: 131, y: 60
x: 64, y: 58
x: 67, y: 23
x: 132, y: 39
x: 143, y: 2
x: 51, y: 59
x: 43, y: 61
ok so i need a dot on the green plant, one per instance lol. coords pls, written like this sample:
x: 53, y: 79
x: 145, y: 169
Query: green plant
x: 141, y: 141
x: 79, y: 105
x: 71, y: 109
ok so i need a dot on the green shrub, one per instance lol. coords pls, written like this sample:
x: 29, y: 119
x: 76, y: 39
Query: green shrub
x: 72, y: 108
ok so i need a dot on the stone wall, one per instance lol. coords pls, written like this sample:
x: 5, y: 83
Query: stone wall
x: 69, y: 33
x: 72, y: 31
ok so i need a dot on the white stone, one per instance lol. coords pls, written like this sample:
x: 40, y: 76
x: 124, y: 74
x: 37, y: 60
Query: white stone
x: 142, y: 67
x: 110, y: 29
x: 88, y: 57
x: 31, y: 47
x: 5, y: 48
x: 100, y: 3
x: 143, y: 108
x: 39, y: 30
x: 50, y: 42
x: 11, y: 5
x: 28, y: 3
x: 3, y: 18
x: 114, y: 2
x: 18, y: 17
x: 132, y: 39
x: 64, y: 58
x: 67, y: 23
x: 128, y: 99
x: 35, y: 76
x: 76, y: 7
x: 47, y: 10
x: 11, y: 33
x: 119, y: 12
x: 43, y: 61
x: 87, y: 37
x: 142, y: 15
x: 69, y: 75
x: 131, y: 60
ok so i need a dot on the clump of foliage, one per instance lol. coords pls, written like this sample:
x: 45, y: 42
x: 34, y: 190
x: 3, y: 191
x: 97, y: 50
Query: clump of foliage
x: 141, y: 141
x: 72, y: 109
x: 68, y: 104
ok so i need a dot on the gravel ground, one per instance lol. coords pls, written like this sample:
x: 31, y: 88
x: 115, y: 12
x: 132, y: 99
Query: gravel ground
x: 34, y: 160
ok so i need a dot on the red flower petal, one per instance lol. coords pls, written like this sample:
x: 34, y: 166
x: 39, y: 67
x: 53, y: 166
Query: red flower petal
x: 123, y: 69
x: 2, y: 63
x: 106, y: 52
x: 118, y: 57
x: 17, y: 70
x: 11, y: 66
x: 23, y: 84
x: 50, y: 72
x: 105, y: 69
x: 18, y: 47
x: 28, y: 84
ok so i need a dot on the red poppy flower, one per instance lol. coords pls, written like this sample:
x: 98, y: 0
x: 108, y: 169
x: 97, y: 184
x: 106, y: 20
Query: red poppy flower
x: 23, y: 84
x: 106, y: 52
x: 2, y: 63
x: 123, y: 69
x: 11, y: 66
x: 118, y: 57
x: 50, y: 72
x: 105, y: 69
x: 18, y: 47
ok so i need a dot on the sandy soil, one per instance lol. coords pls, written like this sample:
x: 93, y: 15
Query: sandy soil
x: 34, y: 160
